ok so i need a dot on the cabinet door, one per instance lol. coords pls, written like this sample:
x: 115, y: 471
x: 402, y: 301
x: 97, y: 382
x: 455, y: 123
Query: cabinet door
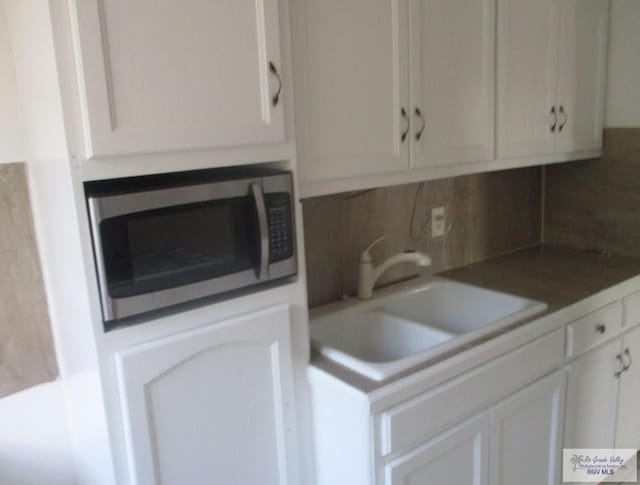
x: 526, y: 434
x: 582, y: 70
x: 212, y: 405
x: 628, y: 419
x: 452, y: 81
x: 457, y: 457
x: 174, y: 75
x: 527, y: 76
x: 351, y: 74
x: 591, y: 399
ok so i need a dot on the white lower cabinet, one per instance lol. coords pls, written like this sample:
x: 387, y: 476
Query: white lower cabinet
x: 526, y: 435
x: 212, y: 405
x: 591, y: 398
x: 457, y: 457
x: 516, y: 441
x: 628, y: 418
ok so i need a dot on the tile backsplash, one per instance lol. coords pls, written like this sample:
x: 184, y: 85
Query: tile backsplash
x: 595, y: 204
x: 26, y: 346
x: 486, y: 214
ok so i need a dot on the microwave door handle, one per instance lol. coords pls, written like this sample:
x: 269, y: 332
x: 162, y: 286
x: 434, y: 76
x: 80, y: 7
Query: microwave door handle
x: 258, y: 197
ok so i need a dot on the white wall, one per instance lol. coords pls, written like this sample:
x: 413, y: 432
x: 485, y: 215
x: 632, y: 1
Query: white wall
x: 34, y: 447
x: 10, y: 135
x: 623, y: 83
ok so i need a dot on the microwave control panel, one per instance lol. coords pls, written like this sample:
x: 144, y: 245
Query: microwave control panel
x: 280, y: 226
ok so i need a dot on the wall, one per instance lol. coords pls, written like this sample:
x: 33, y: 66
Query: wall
x: 10, y: 135
x: 34, y: 445
x: 26, y: 346
x: 623, y: 83
x: 490, y: 214
x: 595, y: 204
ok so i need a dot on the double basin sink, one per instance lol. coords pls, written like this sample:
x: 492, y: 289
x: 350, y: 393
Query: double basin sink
x: 387, y: 335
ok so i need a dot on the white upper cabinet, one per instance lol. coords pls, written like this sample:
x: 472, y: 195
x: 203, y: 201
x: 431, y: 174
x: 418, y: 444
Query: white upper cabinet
x: 351, y: 75
x: 452, y: 81
x: 527, y: 76
x: 174, y: 75
x: 582, y: 74
x: 212, y: 405
x: 551, y: 76
x: 395, y: 91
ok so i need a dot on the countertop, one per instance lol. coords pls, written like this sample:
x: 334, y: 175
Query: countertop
x: 559, y: 277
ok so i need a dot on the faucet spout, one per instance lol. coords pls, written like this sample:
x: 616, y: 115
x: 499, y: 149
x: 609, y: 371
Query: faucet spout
x: 368, y: 274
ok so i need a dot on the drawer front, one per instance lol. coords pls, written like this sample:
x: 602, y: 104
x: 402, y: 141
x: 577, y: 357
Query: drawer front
x: 632, y: 310
x: 592, y: 330
x: 420, y: 418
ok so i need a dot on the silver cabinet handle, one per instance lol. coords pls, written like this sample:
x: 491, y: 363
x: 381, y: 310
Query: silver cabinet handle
x: 627, y: 353
x: 403, y: 113
x: 276, y: 97
x: 555, y: 119
x: 418, y: 113
x: 619, y: 372
x: 565, y: 116
x: 601, y: 328
x: 258, y: 197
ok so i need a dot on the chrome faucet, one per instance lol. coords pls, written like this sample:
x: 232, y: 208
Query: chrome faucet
x: 368, y: 274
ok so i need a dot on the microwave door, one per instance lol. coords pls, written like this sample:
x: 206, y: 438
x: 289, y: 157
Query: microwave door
x: 160, y: 255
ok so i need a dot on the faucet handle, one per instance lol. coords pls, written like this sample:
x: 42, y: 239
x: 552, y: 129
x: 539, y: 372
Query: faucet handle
x: 365, y: 257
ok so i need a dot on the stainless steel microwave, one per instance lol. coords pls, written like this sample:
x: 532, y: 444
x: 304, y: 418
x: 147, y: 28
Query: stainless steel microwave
x: 164, y: 240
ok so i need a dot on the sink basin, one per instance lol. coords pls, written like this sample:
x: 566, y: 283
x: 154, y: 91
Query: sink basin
x: 385, y: 336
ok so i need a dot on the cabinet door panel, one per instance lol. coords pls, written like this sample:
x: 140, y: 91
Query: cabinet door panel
x: 526, y: 433
x: 351, y: 86
x: 628, y: 419
x: 527, y: 76
x: 591, y: 399
x: 452, y: 80
x: 582, y: 71
x: 458, y: 456
x: 171, y: 75
x: 208, y: 402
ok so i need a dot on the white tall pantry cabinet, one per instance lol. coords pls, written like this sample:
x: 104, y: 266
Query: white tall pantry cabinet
x: 209, y: 394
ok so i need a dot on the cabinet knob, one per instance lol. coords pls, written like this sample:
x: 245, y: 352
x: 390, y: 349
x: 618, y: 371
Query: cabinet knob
x: 555, y: 119
x: 601, y: 328
x: 276, y: 97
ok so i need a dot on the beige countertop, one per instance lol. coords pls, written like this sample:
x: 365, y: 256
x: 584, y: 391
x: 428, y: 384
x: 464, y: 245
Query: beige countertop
x: 559, y: 277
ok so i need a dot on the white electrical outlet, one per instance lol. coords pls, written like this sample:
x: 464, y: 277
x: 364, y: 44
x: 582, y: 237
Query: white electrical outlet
x: 437, y: 222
